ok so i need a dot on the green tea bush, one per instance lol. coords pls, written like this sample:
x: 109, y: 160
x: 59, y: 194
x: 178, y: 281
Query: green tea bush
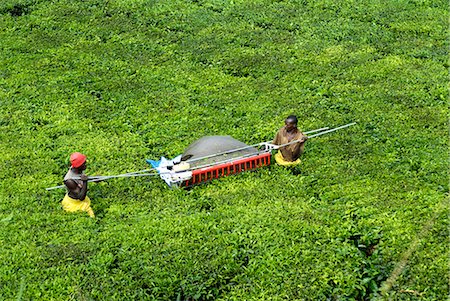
x: 364, y: 217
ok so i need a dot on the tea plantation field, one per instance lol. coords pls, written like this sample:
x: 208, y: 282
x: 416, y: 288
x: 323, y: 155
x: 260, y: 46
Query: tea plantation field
x: 364, y: 217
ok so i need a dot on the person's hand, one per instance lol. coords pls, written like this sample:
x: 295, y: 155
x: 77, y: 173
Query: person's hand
x: 83, y: 177
x: 304, y: 138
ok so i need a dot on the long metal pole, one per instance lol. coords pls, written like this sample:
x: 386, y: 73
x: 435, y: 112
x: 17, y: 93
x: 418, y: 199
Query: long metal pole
x: 332, y: 130
x: 94, y: 179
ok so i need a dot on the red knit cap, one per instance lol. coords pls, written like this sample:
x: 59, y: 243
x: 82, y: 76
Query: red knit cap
x: 77, y: 159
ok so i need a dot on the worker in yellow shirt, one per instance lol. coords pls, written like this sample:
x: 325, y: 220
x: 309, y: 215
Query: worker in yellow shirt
x: 289, y: 155
x: 76, y: 183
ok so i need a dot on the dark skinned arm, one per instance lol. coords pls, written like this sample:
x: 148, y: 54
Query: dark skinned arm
x: 76, y: 192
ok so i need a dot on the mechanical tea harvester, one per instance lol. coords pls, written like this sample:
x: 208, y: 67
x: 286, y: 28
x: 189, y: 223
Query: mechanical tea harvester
x: 209, y: 158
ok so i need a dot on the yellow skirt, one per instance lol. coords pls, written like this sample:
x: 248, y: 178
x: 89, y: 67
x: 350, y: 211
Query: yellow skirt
x: 72, y: 205
x: 281, y: 161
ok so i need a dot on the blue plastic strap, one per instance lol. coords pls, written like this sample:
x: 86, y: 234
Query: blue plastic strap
x: 153, y: 163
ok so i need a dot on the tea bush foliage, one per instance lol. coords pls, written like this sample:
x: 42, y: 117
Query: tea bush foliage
x: 365, y: 216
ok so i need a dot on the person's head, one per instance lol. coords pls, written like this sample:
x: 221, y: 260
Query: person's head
x: 78, y: 161
x: 291, y: 122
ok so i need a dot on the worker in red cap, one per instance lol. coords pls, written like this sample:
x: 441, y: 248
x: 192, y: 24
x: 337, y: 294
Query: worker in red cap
x: 76, y: 184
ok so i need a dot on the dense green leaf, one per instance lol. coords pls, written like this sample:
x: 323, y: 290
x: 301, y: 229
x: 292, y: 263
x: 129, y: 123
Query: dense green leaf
x: 124, y: 80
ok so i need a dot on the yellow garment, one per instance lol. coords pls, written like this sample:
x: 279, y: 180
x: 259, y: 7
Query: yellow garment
x: 72, y: 205
x: 281, y: 161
